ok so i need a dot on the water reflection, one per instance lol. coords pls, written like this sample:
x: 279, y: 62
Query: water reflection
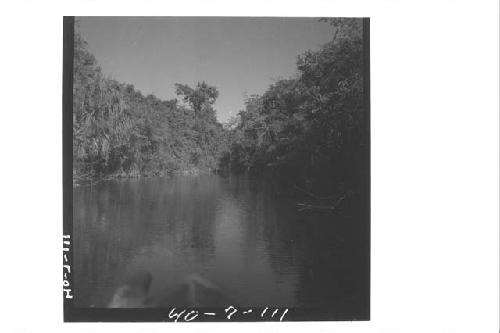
x: 232, y: 231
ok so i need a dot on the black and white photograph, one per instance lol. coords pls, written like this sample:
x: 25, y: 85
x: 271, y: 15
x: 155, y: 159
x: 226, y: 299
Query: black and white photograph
x: 220, y: 168
x: 250, y: 166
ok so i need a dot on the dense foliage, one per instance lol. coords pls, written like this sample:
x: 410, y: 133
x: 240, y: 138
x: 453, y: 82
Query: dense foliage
x: 310, y: 131
x: 117, y: 131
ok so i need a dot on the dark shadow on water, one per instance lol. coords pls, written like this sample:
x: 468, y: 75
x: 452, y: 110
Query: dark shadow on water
x: 233, y: 231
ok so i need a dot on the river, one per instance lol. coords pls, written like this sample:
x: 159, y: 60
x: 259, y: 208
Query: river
x: 234, y: 231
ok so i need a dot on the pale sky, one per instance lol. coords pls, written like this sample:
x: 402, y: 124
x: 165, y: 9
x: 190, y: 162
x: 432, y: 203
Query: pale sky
x: 237, y: 55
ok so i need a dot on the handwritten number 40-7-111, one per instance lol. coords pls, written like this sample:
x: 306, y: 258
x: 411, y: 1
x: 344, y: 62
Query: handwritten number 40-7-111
x: 230, y: 312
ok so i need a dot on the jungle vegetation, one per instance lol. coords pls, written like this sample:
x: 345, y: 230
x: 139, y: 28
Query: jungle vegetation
x: 309, y: 132
x: 119, y: 132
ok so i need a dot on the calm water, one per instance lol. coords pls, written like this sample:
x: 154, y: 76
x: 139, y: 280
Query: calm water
x: 233, y: 231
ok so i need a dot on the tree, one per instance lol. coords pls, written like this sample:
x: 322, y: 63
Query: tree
x: 310, y: 129
x: 117, y: 131
x: 201, y: 98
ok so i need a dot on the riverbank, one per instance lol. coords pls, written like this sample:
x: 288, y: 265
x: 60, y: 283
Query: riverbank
x: 82, y: 180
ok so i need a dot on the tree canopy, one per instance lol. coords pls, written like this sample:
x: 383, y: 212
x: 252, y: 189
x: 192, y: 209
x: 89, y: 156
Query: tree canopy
x: 117, y: 131
x: 309, y: 130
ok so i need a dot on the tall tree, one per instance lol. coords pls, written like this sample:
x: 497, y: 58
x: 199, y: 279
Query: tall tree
x: 201, y: 98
